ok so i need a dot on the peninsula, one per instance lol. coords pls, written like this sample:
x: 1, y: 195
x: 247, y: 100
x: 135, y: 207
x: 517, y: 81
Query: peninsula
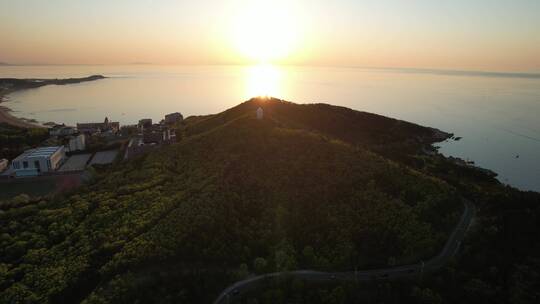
x: 267, y: 195
x: 10, y: 85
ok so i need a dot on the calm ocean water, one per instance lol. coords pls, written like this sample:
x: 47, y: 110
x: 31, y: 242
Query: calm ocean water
x: 498, y: 117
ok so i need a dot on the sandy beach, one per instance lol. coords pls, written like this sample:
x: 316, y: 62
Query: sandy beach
x: 6, y: 117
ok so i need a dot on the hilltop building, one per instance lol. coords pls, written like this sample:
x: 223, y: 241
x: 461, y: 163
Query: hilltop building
x: 98, y: 127
x: 173, y: 118
x: 38, y: 161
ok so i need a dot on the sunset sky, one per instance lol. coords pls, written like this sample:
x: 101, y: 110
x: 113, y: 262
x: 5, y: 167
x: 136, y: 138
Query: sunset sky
x: 499, y: 35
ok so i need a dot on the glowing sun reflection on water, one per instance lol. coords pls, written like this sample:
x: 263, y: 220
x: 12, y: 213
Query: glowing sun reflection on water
x: 263, y: 80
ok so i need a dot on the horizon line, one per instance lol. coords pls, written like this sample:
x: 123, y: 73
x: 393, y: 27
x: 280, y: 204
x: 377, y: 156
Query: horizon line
x: 412, y: 70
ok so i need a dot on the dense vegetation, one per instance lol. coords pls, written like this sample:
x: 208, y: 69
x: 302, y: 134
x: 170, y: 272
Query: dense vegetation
x: 14, y: 140
x: 500, y: 258
x: 238, y: 197
x: 499, y: 263
x: 306, y: 187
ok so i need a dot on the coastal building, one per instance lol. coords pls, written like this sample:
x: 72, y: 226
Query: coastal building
x: 62, y: 130
x: 145, y: 123
x: 173, y: 118
x: 3, y: 164
x: 77, y: 143
x: 158, y: 134
x: 260, y: 113
x: 98, y: 127
x: 38, y: 161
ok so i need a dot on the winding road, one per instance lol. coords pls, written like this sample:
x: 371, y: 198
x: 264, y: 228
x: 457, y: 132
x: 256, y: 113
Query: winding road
x: 449, y: 250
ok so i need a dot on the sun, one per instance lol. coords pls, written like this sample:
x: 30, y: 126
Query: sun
x: 263, y: 80
x: 266, y: 30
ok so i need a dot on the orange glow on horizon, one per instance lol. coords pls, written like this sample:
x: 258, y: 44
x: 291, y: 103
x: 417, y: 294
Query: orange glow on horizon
x: 455, y: 35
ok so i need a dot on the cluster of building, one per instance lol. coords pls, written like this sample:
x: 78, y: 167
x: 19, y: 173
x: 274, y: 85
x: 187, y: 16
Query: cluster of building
x: 152, y: 135
x: 65, y: 139
x: 74, y: 140
x: 95, y: 128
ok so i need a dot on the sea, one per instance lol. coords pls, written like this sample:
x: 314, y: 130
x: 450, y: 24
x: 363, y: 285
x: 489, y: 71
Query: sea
x: 497, y: 115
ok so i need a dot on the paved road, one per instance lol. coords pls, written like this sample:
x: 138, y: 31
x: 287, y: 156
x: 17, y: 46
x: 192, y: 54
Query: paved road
x: 449, y: 250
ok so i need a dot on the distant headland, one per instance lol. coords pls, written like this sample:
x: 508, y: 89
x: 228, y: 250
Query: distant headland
x: 10, y: 85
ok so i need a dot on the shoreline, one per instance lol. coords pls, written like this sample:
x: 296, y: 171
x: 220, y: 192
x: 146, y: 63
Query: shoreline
x: 10, y: 85
x: 7, y: 118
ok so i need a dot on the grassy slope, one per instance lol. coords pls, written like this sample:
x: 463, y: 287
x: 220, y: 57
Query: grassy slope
x: 178, y: 224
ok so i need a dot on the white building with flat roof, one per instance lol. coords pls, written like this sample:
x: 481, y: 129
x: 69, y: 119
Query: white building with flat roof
x: 37, y: 161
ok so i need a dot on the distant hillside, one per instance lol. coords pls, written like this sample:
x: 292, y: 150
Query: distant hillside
x: 343, y: 123
x: 392, y: 138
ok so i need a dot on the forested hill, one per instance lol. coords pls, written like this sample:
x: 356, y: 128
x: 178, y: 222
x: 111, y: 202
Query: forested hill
x: 394, y: 139
x: 342, y: 123
x: 299, y: 189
